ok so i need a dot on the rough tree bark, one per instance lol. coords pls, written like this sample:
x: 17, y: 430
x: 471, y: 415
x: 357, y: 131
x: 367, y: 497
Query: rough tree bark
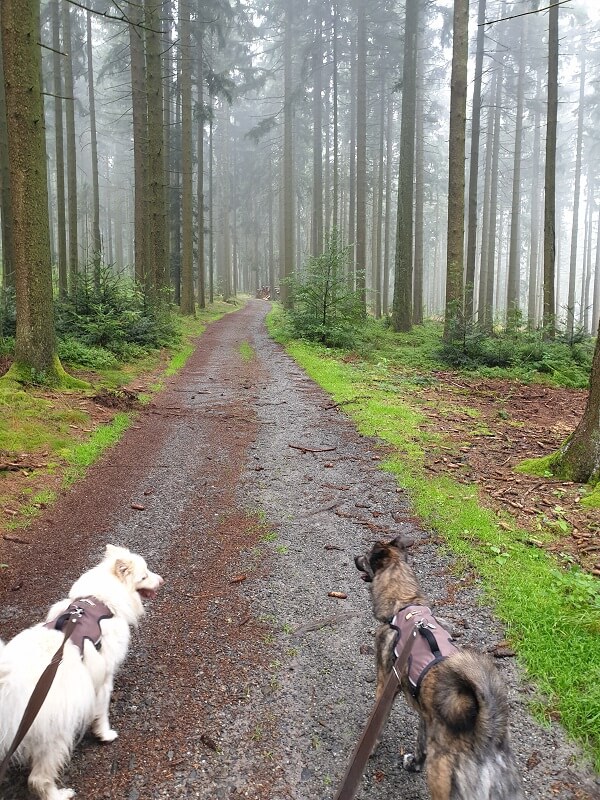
x: 35, y: 346
x: 456, y: 175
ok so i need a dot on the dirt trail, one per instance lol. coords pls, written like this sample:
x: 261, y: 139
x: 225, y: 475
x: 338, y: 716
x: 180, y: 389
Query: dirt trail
x: 256, y: 495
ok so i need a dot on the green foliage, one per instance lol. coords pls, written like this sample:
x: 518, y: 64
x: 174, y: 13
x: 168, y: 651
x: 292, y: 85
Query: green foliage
x: 8, y: 312
x: 71, y: 351
x: 325, y: 310
x: 521, y: 352
x: 116, y: 316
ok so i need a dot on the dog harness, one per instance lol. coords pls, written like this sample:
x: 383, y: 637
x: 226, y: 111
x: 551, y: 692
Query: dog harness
x: 431, y: 646
x: 88, y: 611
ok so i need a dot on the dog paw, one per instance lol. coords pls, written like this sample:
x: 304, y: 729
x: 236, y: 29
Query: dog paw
x: 106, y: 735
x: 410, y: 763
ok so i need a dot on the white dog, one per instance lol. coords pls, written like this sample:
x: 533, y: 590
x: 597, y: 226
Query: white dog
x: 80, y: 694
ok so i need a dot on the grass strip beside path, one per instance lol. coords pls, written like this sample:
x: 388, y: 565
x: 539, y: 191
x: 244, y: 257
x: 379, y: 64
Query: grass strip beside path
x: 552, y: 615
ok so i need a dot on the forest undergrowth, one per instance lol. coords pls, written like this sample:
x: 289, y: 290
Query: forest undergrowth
x: 452, y: 438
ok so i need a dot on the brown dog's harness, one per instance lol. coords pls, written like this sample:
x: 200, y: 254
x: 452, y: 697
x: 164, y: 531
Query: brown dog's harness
x: 431, y: 646
x: 87, y: 612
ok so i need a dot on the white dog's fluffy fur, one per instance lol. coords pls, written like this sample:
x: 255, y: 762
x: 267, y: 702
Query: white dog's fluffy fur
x: 80, y: 695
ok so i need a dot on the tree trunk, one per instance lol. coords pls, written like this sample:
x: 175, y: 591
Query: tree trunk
x: 156, y: 275
x: 336, y: 146
x: 377, y: 231
x: 385, y: 299
x: 317, y: 193
x: 200, y: 184
x: 418, y: 297
x: 59, y: 152
x: 187, y: 281
x: 534, y: 243
x: 402, y: 310
x: 96, y: 237
x: 73, y: 253
x: 8, y: 271
x: 579, y: 458
x: 288, y: 163
x: 140, y: 142
x: 35, y: 347
x: 576, y: 199
x: 514, y: 261
x: 474, y: 164
x: 456, y: 173
x: 351, y: 234
x: 361, y: 154
x: 549, y: 321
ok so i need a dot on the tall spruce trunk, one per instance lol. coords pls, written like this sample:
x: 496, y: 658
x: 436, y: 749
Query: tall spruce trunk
x: 456, y: 171
x: 402, y: 309
x: 59, y: 152
x: 96, y: 236
x: 550, y: 177
x: 8, y: 272
x: 287, y: 248
x: 514, y: 261
x: 201, y: 297
x: 576, y: 199
x: 317, y: 192
x: 361, y: 154
x: 35, y: 344
x: 474, y: 165
x: 156, y: 275
x: 73, y: 252
x: 140, y: 143
x: 534, y: 242
x: 187, y: 281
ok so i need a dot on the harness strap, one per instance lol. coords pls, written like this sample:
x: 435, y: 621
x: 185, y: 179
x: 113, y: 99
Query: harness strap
x: 38, y: 696
x: 377, y: 718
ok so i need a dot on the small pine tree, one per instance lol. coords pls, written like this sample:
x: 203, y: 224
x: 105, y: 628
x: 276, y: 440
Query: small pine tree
x: 324, y: 309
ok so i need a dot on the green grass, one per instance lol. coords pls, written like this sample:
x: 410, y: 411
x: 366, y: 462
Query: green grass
x: 551, y: 611
x: 246, y: 351
x: 83, y: 455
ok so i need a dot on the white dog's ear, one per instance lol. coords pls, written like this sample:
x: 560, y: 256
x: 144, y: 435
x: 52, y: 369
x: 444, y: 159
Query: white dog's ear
x: 111, y: 550
x: 123, y: 569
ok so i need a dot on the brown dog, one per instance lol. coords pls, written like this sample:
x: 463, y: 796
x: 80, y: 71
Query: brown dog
x: 459, y: 694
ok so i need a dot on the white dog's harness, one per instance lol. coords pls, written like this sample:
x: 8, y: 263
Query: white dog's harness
x: 87, y: 613
x: 432, y: 646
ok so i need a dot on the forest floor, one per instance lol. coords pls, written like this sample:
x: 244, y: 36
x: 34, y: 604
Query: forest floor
x: 250, y: 494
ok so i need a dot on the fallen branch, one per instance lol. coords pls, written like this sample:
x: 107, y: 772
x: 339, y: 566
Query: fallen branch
x: 323, y: 623
x: 14, y: 539
x: 312, y: 449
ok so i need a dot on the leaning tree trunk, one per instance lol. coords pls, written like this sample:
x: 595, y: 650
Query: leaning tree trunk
x: 579, y: 458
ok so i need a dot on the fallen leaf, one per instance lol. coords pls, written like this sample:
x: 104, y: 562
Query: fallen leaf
x: 138, y: 507
x: 339, y: 595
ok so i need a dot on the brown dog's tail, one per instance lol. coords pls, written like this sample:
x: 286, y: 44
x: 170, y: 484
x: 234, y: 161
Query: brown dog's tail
x: 470, y: 697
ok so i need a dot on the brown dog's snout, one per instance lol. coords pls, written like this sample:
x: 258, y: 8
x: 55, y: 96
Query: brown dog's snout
x: 362, y: 564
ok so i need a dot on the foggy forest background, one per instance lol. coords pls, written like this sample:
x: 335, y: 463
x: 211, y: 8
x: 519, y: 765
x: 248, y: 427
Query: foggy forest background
x: 261, y: 129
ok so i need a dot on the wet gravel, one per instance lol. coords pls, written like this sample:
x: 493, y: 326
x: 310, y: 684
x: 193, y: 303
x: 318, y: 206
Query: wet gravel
x: 246, y: 679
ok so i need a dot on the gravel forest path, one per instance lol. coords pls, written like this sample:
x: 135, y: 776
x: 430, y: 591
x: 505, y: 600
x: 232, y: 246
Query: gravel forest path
x: 250, y: 493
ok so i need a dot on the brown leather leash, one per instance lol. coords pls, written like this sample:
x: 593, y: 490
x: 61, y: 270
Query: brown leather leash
x: 379, y: 714
x: 38, y: 696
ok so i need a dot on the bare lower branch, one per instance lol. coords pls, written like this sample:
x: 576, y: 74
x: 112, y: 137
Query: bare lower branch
x: 526, y: 13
